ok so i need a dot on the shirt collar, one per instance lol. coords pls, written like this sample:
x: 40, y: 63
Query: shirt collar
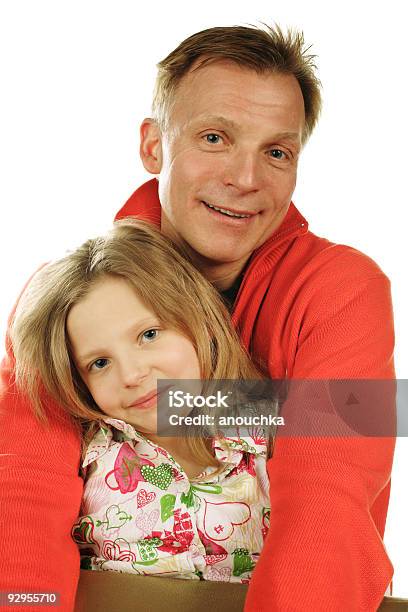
x: 228, y: 450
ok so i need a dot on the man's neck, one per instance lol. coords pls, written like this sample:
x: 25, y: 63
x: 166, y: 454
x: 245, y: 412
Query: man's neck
x: 221, y: 275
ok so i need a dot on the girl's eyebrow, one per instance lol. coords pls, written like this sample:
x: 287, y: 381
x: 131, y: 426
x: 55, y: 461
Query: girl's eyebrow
x: 139, y: 326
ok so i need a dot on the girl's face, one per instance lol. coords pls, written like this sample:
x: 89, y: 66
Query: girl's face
x: 121, y: 350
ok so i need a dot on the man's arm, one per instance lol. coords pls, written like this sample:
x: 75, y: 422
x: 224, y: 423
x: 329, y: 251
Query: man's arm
x: 329, y: 495
x: 40, y: 496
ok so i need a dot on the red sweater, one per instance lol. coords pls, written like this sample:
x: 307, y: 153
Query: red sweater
x: 308, y: 309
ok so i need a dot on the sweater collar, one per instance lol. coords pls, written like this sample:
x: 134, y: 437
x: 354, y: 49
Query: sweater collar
x: 143, y: 203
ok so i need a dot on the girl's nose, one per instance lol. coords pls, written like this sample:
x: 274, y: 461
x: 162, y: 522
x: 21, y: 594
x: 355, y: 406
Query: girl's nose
x: 134, y: 372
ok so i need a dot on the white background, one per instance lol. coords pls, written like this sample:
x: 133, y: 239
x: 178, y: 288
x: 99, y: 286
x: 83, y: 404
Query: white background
x: 76, y: 79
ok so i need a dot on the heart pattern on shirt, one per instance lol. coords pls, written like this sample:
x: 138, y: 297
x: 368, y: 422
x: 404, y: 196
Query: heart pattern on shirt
x: 119, y: 550
x: 83, y: 531
x: 116, y: 517
x: 212, y: 559
x: 145, y: 522
x: 144, y: 498
x: 160, y: 476
x: 126, y: 470
x: 220, y: 519
x: 219, y: 574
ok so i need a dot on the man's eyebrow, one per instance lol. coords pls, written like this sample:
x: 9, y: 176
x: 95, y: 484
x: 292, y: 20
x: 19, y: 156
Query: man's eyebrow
x: 219, y: 119
x: 295, y: 136
x: 214, y: 119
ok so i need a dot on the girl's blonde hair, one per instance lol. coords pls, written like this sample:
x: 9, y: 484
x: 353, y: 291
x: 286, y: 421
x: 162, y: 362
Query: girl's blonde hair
x: 165, y: 282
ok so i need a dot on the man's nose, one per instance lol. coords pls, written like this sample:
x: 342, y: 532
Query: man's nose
x: 243, y: 171
x: 134, y: 371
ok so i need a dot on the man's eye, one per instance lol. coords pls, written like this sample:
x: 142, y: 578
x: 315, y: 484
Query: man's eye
x: 277, y: 154
x: 99, y: 364
x: 212, y: 138
x: 149, y: 335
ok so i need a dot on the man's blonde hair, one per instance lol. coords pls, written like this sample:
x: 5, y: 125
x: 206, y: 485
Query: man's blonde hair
x: 164, y: 281
x: 266, y: 49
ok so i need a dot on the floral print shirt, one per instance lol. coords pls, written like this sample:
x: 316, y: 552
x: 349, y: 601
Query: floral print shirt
x: 141, y: 514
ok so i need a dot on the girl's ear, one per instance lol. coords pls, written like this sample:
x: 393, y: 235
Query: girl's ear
x: 151, y: 146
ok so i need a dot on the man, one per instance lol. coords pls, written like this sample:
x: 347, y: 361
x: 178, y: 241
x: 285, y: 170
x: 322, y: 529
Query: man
x: 232, y: 109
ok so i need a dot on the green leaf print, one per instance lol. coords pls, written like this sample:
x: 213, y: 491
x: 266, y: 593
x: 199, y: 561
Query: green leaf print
x: 167, y: 506
x: 207, y: 488
x: 242, y: 561
x: 192, y: 500
x: 188, y: 499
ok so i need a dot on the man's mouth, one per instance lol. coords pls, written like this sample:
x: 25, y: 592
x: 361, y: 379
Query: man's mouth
x: 227, y: 212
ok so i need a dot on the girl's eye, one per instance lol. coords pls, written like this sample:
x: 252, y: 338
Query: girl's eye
x: 99, y: 364
x: 149, y: 335
x: 277, y: 154
x: 212, y: 138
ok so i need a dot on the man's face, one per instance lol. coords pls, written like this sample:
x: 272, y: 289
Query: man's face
x: 233, y: 143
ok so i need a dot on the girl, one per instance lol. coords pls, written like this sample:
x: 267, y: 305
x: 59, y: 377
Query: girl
x: 98, y: 329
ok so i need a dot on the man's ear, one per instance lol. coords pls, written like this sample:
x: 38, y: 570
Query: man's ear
x: 151, y: 146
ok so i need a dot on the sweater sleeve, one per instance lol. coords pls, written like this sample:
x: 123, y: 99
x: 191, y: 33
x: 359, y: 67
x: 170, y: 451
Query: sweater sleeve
x: 40, y: 497
x: 329, y: 495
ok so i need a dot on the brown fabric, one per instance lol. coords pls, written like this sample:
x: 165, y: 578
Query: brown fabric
x: 114, y: 592
x: 393, y: 604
